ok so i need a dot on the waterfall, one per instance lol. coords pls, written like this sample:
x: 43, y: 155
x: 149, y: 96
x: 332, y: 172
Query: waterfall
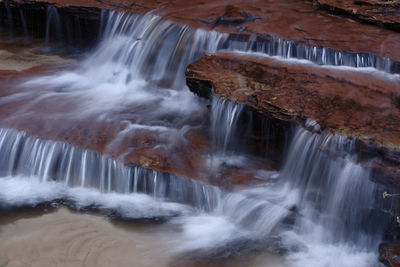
x: 332, y: 186
x: 201, y: 42
x: 224, y: 118
x: 336, y: 197
x: 10, y: 19
x: 237, y: 129
x: 23, y: 21
x: 277, y: 46
x: 152, y: 47
x: 320, y: 185
x: 120, y: 23
x: 53, y: 25
x: 319, y: 200
x: 83, y: 178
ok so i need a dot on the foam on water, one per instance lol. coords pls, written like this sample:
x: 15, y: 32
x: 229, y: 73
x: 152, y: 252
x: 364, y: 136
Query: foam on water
x: 31, y: 191
x: 328, y: 196
x: 309, y: 252
x: 207, y: 231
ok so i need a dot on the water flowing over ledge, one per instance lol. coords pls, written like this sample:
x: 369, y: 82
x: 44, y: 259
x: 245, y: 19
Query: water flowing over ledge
x: 237, y: 128
x: 328, y: 188
x: 55, y: 29
x: 76, y: 167
x: 276, y: 46
x: 318, y: 216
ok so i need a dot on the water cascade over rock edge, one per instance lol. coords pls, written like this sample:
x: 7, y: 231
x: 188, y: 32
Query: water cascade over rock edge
x: 318, y: 199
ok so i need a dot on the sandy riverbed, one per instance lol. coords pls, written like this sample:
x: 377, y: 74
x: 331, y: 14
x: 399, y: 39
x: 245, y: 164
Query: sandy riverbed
x: 64, y: 238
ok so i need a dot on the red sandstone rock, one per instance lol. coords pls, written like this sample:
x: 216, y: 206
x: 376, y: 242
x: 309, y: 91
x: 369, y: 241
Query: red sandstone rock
x: 383, y: 13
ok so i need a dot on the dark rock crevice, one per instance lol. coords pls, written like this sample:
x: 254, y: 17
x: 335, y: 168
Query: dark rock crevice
x: 73, y: 25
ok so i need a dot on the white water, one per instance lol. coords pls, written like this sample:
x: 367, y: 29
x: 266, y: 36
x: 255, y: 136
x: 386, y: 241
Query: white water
x: 333, y: 196
x: 335, y: 200
x: 21, y: 191
x: 224, y: 117
x: 53, y: 26
x: 288, y: 49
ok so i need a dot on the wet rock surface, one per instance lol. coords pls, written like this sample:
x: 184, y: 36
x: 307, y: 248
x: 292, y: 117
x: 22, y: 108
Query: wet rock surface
x: 381, y: 13
x: 358, y: 104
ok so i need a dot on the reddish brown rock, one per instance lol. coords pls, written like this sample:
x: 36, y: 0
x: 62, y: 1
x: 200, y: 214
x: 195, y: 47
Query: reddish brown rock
x: 389, y: 253
x: 382, y: 13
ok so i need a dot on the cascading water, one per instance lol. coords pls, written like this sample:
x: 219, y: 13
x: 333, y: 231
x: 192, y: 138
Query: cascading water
x: 336, y: 199
x: 76, y: 167
x: 9, y: 16
x: 23, y: 22
x: 53, y: 26
x: 313, y: 209
x: 224, y: 117
x: 152, y: 47
x: 331, y: 197
x: 276, y: 46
